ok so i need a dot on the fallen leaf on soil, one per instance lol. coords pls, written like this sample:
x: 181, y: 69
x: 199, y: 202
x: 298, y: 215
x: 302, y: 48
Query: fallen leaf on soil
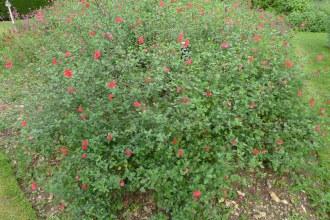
x: 274, y: 197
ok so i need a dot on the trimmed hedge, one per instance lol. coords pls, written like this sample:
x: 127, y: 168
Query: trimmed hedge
x: 22, y: 6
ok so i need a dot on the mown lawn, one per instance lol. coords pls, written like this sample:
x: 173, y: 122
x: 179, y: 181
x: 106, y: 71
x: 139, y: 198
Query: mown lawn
x: 13, y: 204
x: 315, y: 56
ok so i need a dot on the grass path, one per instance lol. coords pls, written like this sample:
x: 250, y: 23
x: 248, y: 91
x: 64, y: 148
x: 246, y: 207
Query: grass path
x: 13, y: 204
x: 315, y: 55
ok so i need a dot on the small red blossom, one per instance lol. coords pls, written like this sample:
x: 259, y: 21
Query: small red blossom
x: 312, y: 102
x: 185, y: 100
x: 64, y: 151
x: 250, y: 59
x: 128, y: 153
x: 67, y: 54
x: 92, y: 33
x: 54, y: 61
x: 299, y: 93
x: 84, y: 186
x: 109, y: 137
x: 174, y: 141
x: 197, y: 194
x: 166, y: 69
x: 189, y: 61
x: 34, y: 186
x: 97, y: 55
x: 288, y: 64
x: 68, y: 73
x: 161, y: 3
x: 84, y: 156
x: 137, y: 104
x: 180, y: 37
x: 320, y: 57
x: 140, y: 40
x: 24, y: 123
x: 186, y: 43
x: 112, y: 84
x: 180, y: 153
x: 119, y: 20
x: 234, y: 141
x: 61, y: 207
x: 85, y: 142
x: 208, y: 94
x: 80, y: 109
x: 225, y: 45
x: 279, y: 142
x: 111, y: 96
x: 40, y: 16
x: 122, y: 183
x: 108, y: 36
x: 71, y: 90
x: 9, y: 64
x: 257, y: 38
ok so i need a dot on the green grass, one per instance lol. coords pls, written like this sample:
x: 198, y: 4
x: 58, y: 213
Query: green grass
x: 317, y: 84
x: 13, y: 205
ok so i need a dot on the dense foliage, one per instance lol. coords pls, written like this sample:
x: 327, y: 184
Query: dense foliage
x: 169, y: 99
x: 21, y: 7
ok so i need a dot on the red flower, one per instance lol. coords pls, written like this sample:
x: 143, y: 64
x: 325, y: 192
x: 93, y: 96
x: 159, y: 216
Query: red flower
x: 257, y: 38
x: 109, y: 137
x: 92, y: 33
x: 67, y: 54
x: 128, y: 153
x: 34, y: 186
x: 9, y: 64
x: 23, y: 123
x: 112, y: 84
x: 186, y: 43
x: 234, y: 141
x: 39, y: 16
x: 189, y: 61
x: 279, y: 142
x: 121, y: 183
x: 119, y: 20
x: 84, y: 186
x: 84, y: 156
x: 208, y: 94
x: 197, y: 194
x: 84, y: 144
x: 299, y: 93
x: 110, y: 97
x: 180, y: 37
x: 166, y: 69
x: 68, y: 73
x: 97, y: 55
x: 137, y: 104
x: 61, y: 207
x: 108, y: 36
x: 54, y: 61
x: 71, y: 90
x: 180, y: 152
x: 288, y: 64
x: 225, y: 45
x: 80, y: 109
x: 174, y: 141
x: 64, y: 150
x: 250, y: 59
x: 312, y: 102
x: 161, y: 3
x: 140, y: 40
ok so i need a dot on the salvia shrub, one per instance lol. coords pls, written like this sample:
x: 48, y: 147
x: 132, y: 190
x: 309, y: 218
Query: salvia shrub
x: 170, y: 99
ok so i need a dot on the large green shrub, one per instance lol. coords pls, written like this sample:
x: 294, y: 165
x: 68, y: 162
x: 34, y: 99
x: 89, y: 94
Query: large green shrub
x: 124, y: 106
x: 21, y: 6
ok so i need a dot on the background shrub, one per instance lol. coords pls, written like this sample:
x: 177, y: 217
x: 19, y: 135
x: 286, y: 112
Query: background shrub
x: 121, y: 106
x: 22, y: 6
